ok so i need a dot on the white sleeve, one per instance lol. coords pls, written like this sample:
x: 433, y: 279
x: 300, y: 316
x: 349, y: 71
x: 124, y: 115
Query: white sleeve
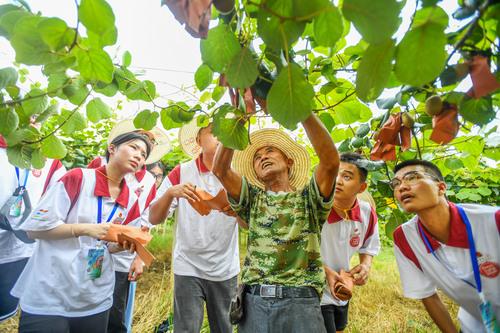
x: 371, y: 246
x: 415, y: 283
x: 51, y: 211
x: 165, y: 185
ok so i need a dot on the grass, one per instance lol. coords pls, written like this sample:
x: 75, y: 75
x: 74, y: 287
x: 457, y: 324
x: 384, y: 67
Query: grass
x: 376, y: 307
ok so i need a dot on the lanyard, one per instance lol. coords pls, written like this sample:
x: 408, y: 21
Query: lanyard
x: 99, y: 211
x: 472, y: 251
x: 26, y: 174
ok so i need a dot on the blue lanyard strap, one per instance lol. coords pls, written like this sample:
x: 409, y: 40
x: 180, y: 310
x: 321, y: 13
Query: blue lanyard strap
x: 26, y: 174
x: 99, y: 211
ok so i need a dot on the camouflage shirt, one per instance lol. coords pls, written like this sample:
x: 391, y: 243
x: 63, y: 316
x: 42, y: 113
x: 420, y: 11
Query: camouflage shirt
x: 283, y: 235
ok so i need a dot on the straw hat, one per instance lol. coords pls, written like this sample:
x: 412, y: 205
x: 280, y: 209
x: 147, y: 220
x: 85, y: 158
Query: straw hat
x: 187, y: 138
x: 243, y: 160
x: 366, y: 196
x: 161, y: 146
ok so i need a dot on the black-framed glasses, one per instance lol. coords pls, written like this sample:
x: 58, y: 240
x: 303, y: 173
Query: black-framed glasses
x: 411, y: 178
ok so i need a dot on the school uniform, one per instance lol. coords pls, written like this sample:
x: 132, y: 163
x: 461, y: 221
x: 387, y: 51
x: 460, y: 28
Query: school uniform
x: 340, y: 240
x: 61, y: 280
x: 426, y: 264
x: 14, y: 253
x: 142, y: 183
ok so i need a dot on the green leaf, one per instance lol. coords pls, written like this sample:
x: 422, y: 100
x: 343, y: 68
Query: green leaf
x: 126, y: 59
x: 37, y: 159
x: 203, y: 77
x: 279, y: 34
x: 349, y: 112
x: 290, y: 98
x: 228, y: 128
x: 96, y: 15
x: 144, y: 90
x: 100, y: 40
x: 218, y: 92
x: 55, y: 33
x: 421, y: 55
x: 28, y: 44
x: 428, y: 15
x: 242, y: 70
x: 53, y: 148
x: 328, y: 27
x: 52, y: 109
x: 376, y: 20
x: 220, y: 46
x: 106, y: 89
x: 76, y: 91
x: 98, y: 110
x: 25, y: 134
x: 95, y: 64
x: 19, y: 156
x: 75, y: 121
x: 167, y: 121
x: 374, y: 70
x: 8, y: 121
x: 327, y: 120
x: 453, y: 163
x: 146, y: 120
x: 35, y: 102
x: 9, y: 18
x: 8, y: 77
x: 56, y: 82
x: 478, y: 111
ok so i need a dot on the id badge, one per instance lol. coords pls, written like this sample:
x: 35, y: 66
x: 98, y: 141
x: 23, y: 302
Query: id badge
x: 16, y: 207
x: 95, y: 258
x: 488, y: 317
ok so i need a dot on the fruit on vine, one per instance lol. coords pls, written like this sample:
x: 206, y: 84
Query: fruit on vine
x: 461, y: 70
x: 407, y: 120
x: 433, y: 105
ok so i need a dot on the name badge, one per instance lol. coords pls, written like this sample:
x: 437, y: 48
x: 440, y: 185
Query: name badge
x: 95, y: 258
x: 488, y: 317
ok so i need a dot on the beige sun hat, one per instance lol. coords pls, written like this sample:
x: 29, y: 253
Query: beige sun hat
x: 161, y: 146
x: 187, y: 138
x: 299, y: 172
x: 366, y: 196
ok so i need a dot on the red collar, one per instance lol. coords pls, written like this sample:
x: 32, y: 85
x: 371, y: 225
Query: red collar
x: 354, y: 214
x: 102, y: 190
x: 458, y: 232
x: 139, y: 175
x: 200, y: 165
x: 3, y: 144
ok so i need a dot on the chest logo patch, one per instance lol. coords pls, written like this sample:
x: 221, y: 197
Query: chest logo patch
x: 36, y: 173
x: 487, y: 268
x: 139, y: 190
x: 355, y: 239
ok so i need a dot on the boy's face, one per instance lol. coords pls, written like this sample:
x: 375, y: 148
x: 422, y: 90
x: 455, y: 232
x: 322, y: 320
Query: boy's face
x: 349, y: 182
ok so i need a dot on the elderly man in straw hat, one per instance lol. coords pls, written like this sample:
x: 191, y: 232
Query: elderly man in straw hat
x: 270, y: 190
x: 205, y: 257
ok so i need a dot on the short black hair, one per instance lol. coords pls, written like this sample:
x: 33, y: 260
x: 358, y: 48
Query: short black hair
x: 158, y: 164
x: 131, y: 136
x: 359, y: 161
x: 428, y: 166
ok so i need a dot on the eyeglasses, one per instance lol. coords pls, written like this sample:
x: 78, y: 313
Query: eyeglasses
x: 411, y: 178
x: 158, y: 176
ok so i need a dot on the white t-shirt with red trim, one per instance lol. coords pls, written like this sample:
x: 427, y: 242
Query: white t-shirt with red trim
x: 11, y: 248
x: 142, y: 183
x: 421, y: 273
x: 205, y: 246
x: 55, y: 280
x: 341, y: 239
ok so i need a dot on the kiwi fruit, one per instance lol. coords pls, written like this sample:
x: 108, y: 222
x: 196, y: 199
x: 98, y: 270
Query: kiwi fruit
x: 407, y: 120
x: 433, y: 105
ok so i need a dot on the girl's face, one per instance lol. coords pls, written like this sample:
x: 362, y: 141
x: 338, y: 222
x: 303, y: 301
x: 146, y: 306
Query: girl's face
x: 130, y: 155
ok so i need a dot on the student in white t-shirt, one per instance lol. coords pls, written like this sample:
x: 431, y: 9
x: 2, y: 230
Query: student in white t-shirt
x: 14, y: 252
x: 351, y: 228
x: 205, y: 258
x: 67, y: 285
x: 453, y: 247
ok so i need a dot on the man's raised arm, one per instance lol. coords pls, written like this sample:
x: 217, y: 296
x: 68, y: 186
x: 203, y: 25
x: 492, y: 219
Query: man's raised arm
x: 329, y: 160
x: 227, y: 176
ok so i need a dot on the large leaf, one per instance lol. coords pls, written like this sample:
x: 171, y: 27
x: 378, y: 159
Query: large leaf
x: 421, y: 55
x: 53, y: 148
x: 9, y: 17
x: 8, y: 77
x: 328, y: 27
x: 203, y: 77
x: 97, y: 110
x: 55, y: 33
x: 278, y: 34
x: 242, y: 70
x: 228, y: 128
x: 146, y: 120
x: 478, y: 111
x: 74, y: 121
x: 34, y: 102
x: 19, y: 156
x: 76, y: 91
x: 374, y: 70
x: 28, y: 44
x: 349, y: 112
x: 8, y: 121
x: 290, y: 98
x: 95, y: 65
x: 96, y: 15
x: 37, y: 159
x: 220, y: 46
x: 144, y: 90
x: 167, y: 121
x: 428, y: 15
x: 376, y: 20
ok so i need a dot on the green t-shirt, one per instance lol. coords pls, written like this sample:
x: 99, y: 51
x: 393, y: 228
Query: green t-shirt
x: 284, y: 235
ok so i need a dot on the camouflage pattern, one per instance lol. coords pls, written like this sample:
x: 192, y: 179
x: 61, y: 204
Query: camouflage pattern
x: 283, y: 236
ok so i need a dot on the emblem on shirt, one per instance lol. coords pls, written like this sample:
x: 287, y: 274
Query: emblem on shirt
x: 119, y: 219
x: 139, y: 190
x: 355, y: 239
x: 487, y: 268
x: 40, y: 215
x: 36, y: 172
